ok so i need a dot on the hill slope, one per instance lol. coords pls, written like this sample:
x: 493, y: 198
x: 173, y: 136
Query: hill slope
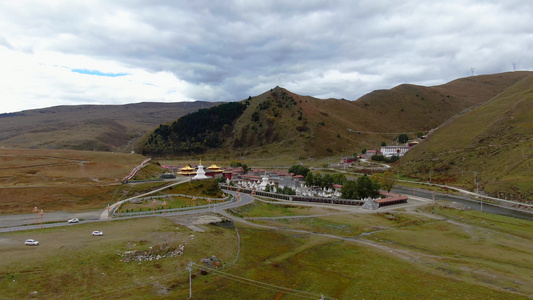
x: 88, y: 127
x: 495, y: 140
x: 279, y: 123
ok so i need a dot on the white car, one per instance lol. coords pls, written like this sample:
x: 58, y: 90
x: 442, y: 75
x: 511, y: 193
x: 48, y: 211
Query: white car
x: 97, y: 233
x: 73, y: 220
x: 31, y: 242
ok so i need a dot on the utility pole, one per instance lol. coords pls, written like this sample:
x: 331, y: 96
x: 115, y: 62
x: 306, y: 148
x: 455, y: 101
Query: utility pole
x: 189, y: 268
x: 477, y: 191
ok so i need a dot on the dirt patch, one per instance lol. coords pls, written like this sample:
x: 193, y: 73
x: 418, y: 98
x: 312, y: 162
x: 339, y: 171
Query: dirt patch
x: 195, y: 219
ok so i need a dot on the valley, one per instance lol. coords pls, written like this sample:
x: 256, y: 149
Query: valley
x: 476, y: 138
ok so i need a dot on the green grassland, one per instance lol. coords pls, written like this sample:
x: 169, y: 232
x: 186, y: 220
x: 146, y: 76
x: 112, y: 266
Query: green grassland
x: 449, y: 254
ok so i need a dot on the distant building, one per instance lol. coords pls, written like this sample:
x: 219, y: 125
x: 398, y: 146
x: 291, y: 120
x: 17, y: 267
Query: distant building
x: 214, y: 171
x: 168, y: 176
x: 299, y: 177
x: 347, y: 159
x: 288, y: 182
x: 389, y: 151
x: 187, y: 171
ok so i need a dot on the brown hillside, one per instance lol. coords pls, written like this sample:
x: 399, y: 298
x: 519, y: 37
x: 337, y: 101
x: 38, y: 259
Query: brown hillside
x: 271, y: 126
x: 495, y: 140
x: 88, y: 127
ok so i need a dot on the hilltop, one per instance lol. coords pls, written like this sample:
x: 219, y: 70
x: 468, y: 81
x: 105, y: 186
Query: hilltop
x: 88, y: 127
x: 281, y: 124
x: 493, y: 140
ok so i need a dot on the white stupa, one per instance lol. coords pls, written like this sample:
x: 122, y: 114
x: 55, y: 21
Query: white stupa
x: 200, y: 173
x: 264, y: 183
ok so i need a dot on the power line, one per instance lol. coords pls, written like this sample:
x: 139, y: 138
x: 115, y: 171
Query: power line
x: 229, y: 276
x: 264, y: 285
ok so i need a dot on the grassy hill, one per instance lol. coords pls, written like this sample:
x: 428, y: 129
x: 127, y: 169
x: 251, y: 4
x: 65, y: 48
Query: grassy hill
x: 88, y: 127
x: 494, y: 139
x: 286, y: 126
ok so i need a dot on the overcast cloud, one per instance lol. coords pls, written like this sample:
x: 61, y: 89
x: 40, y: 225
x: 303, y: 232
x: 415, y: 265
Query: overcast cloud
x: 116, y: 52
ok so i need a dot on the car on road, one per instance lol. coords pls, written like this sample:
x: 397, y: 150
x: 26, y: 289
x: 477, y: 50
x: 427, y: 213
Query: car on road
x: 73, y: 220
x: 31, y: 242
x: 98, y: 233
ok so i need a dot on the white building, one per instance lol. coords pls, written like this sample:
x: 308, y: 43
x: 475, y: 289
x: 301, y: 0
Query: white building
x: 389, y: 151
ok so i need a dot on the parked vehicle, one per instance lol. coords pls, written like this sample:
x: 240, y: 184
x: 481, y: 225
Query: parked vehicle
x: 73, y: 220
x: 31, y: 242
x: 98, y: 233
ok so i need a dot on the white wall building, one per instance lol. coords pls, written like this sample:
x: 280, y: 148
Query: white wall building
x: 389, y: 151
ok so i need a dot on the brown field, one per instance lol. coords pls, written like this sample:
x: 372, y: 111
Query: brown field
x: 56, y: 180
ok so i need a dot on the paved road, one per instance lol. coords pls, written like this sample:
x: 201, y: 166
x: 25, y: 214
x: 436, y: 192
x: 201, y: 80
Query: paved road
x: 25, y: 222
x: 29, y: 219
x: 466, y: 201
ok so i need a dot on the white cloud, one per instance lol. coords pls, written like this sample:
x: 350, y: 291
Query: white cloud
x: 228, y: 50
x: 42, y: 79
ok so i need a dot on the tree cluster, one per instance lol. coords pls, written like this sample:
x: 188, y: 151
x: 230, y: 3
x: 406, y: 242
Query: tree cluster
x: 196, y: 132
x: 362, y: 188
x: 386, y: 180
x: 324, y: 181
x: 299, y: 170
x: 236, y: 164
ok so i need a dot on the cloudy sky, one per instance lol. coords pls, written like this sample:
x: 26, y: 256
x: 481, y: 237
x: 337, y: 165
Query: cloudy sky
x: 55, y: 52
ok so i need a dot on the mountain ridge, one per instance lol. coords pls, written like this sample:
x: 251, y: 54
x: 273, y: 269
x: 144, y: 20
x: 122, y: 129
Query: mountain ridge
x: 281, y: 123
x: 89, y: 127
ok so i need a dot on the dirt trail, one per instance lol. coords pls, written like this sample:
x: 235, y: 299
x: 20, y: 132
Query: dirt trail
x: 421, y: 259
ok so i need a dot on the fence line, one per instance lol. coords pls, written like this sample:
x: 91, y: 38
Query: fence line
x: 295, y: 197
x: 225, y: 200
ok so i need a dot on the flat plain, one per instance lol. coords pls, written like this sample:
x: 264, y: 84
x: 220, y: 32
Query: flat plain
x: 433, y: 251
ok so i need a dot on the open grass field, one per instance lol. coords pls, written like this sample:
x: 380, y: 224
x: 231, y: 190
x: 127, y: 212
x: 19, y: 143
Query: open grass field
x: 408, y: 254
x: 195, y: 189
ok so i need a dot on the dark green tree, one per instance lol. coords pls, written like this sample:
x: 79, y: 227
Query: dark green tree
x: 317, y: 180
x: 299, y: 170
x: 339, y: 178
x: 403, y: 138
x: 327, y: 181
x: 349, y: 190
x: 367, y: 188
x: 309, y: 179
